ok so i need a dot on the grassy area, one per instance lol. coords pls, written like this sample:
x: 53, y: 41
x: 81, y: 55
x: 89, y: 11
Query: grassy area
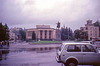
x: 46, y: 42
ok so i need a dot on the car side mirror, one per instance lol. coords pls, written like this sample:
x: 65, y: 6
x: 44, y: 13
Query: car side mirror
x: 95, y: 51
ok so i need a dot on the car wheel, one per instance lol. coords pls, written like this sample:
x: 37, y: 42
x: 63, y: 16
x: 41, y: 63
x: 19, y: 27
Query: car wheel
x: 71, y: 64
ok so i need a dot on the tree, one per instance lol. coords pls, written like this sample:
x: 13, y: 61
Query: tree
x: 22, y: 34
x: 63, y: 35
x: 4, y: 32
x: 70, y: 33
x: 97, y: 23
x: 66, y: 33
x: 77, y: 34
x: 83, y: 35
x: 7, y: 32
x: 80, y: 35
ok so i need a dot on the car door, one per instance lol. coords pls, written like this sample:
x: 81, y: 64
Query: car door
x: 89, y: 54
x: 73, y: 51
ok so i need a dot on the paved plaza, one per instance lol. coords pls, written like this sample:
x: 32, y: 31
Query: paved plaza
x: 24, y: 54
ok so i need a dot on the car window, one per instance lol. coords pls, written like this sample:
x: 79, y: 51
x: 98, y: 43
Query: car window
x: 74, y: 48
x: 88, y: 48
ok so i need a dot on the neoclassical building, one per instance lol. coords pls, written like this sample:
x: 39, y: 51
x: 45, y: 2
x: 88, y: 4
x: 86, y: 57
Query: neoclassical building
x: 93, y: 31
x: 43, y: 32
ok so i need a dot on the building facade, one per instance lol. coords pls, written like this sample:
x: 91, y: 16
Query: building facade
x: 42, y: 32
x: 14, y: 33
x: 93, y: 31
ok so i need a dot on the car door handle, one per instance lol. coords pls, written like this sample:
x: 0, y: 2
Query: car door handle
x: 63, y: 55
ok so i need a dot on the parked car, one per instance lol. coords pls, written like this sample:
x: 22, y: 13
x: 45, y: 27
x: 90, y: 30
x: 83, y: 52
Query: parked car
x: 73, y: 54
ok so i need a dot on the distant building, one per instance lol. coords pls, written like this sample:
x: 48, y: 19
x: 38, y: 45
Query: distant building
x: 14, y: 33
x: 93, y: 31
x: 12, y: 36
x: 43, y: 32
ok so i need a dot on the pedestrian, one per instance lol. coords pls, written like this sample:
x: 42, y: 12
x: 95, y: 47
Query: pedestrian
x: 4, y: 42
x: 1, y: 45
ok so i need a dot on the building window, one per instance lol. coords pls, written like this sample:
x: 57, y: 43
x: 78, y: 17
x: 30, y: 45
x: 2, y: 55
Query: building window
x: 86, y: 28
x: 90, y: 33
x: 95, y: 31
x: 95, y: 34
x: 30, y: 33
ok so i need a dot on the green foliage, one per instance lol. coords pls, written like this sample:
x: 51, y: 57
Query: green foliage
x: 4, y: 32
x: 46, y: 42
x: 80, y: 35
x: 7, y: 32
x: 97, y: 23
x: 22, y: 34
x: 83, y: 35
x: 77, y: 34
x: 66, y: 34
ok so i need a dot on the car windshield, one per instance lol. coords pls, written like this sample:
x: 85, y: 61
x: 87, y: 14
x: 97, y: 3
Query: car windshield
x: 60, y: 48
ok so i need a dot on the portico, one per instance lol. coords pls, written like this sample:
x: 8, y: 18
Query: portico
x: 42, y: 32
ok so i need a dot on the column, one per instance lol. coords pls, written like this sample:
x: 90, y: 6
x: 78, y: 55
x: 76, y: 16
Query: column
x: 47, y: 34
x: 43, y: 36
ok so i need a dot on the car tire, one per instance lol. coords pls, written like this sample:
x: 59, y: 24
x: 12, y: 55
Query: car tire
x: 71, y: 63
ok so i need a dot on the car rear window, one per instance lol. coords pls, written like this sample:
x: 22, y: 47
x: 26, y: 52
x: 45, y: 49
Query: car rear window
x: 74, y: 48
x: 88, y: 48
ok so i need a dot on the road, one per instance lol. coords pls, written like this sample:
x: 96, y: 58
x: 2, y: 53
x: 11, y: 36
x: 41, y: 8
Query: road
x: 23, y: 54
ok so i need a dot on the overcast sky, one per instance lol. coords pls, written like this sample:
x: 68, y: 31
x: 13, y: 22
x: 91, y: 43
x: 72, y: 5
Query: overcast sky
x: 29, y: 13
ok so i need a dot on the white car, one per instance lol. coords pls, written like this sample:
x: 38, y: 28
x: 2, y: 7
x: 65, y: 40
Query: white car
x: 73, y: 54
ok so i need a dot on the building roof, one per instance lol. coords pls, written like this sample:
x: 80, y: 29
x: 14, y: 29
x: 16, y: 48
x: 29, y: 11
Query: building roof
x: 42, y: 26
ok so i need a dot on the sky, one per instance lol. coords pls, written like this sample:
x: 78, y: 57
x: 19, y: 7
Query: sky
x: 29, y: 13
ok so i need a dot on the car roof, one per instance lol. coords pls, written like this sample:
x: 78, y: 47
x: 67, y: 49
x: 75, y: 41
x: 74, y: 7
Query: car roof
x: 74, y: 43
